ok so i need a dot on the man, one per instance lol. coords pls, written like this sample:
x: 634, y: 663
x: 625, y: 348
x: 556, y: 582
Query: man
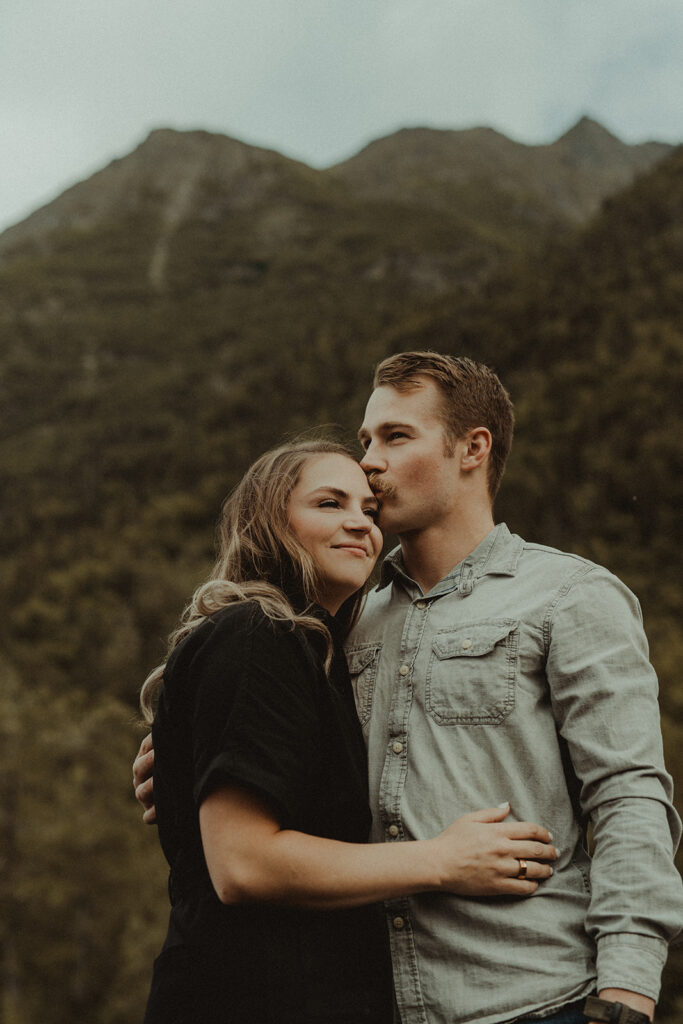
x: 486, y: 667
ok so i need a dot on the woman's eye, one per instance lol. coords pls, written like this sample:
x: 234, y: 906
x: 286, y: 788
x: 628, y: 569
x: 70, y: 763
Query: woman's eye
x: 396, y: 435
x: 328, y: 503
x: 372, y: 512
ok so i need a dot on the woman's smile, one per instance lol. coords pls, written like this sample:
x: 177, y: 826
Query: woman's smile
x: 332, y: 512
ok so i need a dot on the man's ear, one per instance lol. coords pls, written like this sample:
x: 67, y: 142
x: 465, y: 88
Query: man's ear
x: 477, y: 449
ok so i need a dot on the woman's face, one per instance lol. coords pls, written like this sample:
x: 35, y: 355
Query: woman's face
x: 332, y: 513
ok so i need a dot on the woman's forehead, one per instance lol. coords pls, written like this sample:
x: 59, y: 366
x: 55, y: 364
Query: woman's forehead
x: 335, y: 470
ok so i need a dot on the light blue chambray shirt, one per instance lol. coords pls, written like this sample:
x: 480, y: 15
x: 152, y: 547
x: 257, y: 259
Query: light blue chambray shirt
x: 522, y: 676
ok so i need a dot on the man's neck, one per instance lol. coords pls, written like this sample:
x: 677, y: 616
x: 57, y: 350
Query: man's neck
x: 430, y: 554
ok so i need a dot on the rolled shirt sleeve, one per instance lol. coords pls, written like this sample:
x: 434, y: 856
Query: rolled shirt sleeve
x: 604, y: 694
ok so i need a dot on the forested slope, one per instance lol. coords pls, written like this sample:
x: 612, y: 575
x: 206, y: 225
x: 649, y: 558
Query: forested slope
x: 186, y: 308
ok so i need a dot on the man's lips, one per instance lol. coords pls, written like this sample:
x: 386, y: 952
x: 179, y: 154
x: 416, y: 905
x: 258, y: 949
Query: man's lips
x: 380, y: 489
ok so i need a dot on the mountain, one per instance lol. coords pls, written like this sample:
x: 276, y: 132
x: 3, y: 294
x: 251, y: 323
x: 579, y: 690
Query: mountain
x: 489, y: 176
x: 166, y: 172
x: 148, y: 310
x: 191, y: 304
x: 171, y: 179
x: 174, y: 315
x: 498, y: 194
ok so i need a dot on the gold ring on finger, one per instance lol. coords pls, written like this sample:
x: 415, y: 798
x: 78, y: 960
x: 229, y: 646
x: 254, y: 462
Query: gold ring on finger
x: 522, y: 867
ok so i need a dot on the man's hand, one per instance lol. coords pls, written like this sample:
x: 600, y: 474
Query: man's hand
x: 143, y: 780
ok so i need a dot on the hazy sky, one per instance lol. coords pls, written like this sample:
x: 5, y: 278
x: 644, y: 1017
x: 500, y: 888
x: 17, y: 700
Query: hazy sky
x: 84, y: 81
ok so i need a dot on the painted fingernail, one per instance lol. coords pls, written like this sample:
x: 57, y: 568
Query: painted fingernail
x: 505, y: 803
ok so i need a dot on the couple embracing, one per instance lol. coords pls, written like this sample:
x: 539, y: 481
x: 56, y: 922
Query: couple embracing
x: 376, y: 811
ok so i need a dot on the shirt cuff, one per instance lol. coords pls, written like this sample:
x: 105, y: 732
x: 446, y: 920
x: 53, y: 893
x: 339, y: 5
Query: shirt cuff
x: 631, y: 962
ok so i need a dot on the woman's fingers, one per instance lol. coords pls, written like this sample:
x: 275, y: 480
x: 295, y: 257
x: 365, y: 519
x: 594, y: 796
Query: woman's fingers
x: 524, y: 868
x: 521, y: 877
x: 500, y: 857
x: 518, y: 887
x: 527, y: 830
x: 489, y: 814
x: 533, y: 851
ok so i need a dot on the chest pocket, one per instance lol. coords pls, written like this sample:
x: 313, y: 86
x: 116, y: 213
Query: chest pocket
x: 472, y: 672
x: 362, y: 661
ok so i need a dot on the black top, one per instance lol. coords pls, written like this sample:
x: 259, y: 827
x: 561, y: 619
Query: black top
x: 247, y: 700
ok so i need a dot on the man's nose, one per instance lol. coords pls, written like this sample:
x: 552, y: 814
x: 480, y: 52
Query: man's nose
x: 371, y: 461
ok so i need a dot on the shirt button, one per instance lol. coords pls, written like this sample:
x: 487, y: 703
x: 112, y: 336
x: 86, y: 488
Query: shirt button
x: 399, y: 923
x: 393, y: 831
x: 397, y: 747
x: 466, y: 644
x: 404, y: 670
x: 421, y: 604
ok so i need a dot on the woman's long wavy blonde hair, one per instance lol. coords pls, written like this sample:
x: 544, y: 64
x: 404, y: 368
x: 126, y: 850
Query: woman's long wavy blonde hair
x: 259, y: 558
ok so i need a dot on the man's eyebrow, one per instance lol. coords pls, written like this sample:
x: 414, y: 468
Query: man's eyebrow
x: 384, y: 428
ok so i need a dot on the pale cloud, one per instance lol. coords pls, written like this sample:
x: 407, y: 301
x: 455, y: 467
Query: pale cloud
x: 83, y: 81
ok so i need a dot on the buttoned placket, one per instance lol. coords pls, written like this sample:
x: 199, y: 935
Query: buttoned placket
x: 407, y: 981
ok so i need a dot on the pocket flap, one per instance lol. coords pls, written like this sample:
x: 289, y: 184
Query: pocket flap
x: 360, y: 657
x: 472, y: 641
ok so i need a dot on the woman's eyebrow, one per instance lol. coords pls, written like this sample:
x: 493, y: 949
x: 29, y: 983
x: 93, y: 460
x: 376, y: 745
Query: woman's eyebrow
x: 328, y: 489
x: 339, y: 493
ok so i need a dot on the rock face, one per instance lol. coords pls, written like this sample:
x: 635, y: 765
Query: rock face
x: 154, y: 173
x: 487, y: 181
x: 172, y: 177
x: 487, y: 173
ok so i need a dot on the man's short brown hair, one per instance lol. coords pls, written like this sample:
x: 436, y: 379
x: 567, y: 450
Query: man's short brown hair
x: 472, y: 396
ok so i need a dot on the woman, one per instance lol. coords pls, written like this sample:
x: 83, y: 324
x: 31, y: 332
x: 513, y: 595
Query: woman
x: 260, y: 773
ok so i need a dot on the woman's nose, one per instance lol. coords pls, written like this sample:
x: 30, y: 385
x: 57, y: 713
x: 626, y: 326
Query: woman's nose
x: 358, y: 521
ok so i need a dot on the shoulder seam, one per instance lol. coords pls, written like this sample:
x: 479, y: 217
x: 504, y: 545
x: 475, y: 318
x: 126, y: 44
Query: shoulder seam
x: 548, y: 550
x: 562, y: 591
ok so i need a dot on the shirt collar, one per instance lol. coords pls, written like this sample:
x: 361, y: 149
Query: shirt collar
x: 497, y: 554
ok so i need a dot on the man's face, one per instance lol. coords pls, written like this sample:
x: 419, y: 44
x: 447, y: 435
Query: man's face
x: 405, y: 458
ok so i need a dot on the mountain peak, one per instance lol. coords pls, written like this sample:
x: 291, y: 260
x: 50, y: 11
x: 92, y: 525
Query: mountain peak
x: 588, y: 127
x: 589, y: 141
x: 590, y: 145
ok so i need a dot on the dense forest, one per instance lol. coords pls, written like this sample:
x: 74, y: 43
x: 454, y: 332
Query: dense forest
x: 192, y: 304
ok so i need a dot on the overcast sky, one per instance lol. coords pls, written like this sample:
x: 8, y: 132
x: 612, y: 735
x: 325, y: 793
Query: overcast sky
x: 84, y: 81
